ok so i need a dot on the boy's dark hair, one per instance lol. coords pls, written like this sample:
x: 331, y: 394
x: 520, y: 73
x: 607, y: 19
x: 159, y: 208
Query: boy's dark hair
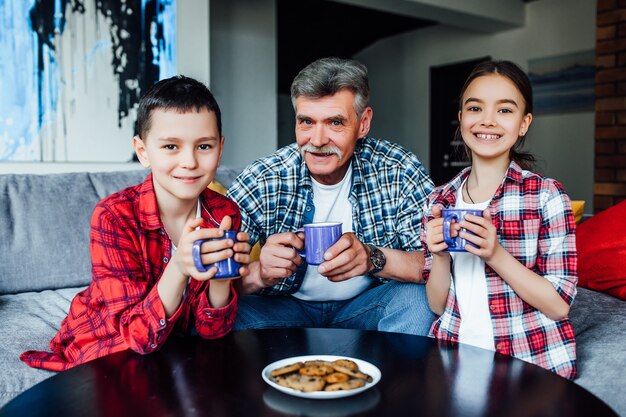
x: 518, y: 77
x: 178, y: 93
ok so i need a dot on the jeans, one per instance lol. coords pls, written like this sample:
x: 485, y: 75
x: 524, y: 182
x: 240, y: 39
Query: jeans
x: 391, y: 307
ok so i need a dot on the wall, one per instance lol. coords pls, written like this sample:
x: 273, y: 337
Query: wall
x: 399, y: 70
x: 243, y: 77
x: 610, y: 131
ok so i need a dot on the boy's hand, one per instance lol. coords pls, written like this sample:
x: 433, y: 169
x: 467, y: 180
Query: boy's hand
x: 212, y: 251
x: 485, y: 235
x: 434, y: 233
x: 241, y: 248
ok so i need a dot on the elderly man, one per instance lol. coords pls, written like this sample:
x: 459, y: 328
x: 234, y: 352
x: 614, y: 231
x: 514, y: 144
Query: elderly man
x: 371, y: 277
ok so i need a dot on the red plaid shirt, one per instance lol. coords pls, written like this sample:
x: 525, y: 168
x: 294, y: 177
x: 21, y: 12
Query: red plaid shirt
x: 121, y: 308
x: 535, y: 224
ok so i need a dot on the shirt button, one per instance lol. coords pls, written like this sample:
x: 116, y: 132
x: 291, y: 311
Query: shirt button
x: 308, y: 208
x: 492, y: 307
x: 162, y: 322
x: 165, y: 259
x: 499, y: 346
x: 209, y: 314
x: 153, y: 346
x: 162, y: 232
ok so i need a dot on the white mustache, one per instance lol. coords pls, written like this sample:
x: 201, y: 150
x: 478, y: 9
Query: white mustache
x: 328, y: 150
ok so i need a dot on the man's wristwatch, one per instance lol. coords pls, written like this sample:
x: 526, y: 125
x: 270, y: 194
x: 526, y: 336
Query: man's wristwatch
x: 377, y: 258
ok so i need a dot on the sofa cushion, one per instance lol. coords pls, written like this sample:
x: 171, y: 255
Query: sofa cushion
x: 29, y: 321
x: 578, y: 208
x: 602, y: 250
x: 599, y: 322
x: 44, y: 224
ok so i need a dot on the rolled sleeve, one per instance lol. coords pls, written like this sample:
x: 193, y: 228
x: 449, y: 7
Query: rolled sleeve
x: 213, y: 323
x: 557, y: 258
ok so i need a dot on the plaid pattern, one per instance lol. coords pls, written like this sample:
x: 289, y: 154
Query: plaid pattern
x: 121, y: 308
x: 389, y: 186
x: 535, y: 224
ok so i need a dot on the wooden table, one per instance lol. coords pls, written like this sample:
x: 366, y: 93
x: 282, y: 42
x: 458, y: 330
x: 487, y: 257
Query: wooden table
x: 195, y: 377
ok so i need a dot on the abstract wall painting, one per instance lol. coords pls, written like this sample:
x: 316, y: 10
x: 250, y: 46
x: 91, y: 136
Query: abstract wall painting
x: 564, y: 83
x: 72, y: 72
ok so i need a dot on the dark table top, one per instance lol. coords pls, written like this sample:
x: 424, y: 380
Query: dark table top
x: 195, y: 377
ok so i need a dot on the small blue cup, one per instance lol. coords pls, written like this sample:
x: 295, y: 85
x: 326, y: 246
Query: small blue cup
x: 318, y: 237
x: 226, y: 268
x: 456, y: 244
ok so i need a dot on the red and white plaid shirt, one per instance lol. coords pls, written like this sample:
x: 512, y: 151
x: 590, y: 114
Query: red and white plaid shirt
x: 535, y: 224
x: 121, y: 308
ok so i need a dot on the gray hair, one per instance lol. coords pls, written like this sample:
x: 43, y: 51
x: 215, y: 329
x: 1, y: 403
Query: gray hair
x: 327, y: 76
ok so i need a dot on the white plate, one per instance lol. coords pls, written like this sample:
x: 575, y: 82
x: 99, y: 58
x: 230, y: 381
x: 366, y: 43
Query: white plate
x: 364, y: 367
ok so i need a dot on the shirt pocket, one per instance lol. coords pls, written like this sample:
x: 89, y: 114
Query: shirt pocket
x: 520, y: 237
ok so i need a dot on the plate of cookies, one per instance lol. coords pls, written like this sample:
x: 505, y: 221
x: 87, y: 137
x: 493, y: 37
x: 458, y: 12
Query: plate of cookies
x: 321, y: 376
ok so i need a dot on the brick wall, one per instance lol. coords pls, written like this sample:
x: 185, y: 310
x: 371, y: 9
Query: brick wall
x: 610, y: 133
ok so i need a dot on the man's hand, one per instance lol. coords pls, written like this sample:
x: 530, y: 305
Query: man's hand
x: 278, y: 260
x: 347, y: 258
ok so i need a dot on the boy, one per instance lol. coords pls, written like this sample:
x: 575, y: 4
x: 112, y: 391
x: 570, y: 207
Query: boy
x: 145, y: 284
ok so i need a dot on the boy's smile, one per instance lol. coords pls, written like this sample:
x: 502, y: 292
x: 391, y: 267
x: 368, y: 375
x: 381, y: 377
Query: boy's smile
x: 183, y: 150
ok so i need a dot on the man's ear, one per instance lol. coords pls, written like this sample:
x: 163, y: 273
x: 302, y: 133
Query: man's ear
x: 366, y: 121
x: 140, y: 151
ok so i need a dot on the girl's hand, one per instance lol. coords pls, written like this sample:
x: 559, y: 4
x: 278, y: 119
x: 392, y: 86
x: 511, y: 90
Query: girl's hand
x: 434, y: 233
x: 484, y: 236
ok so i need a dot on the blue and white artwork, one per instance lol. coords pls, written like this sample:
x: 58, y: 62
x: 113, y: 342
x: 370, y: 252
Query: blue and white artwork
x: 564, y: 83
x: 72, y: 72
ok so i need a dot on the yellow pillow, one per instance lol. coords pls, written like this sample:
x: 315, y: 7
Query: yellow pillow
x: 216, y: 186
x: 578, y: 207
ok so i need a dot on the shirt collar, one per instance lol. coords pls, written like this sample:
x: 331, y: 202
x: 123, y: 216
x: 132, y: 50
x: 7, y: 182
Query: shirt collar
x: 449, y: 190
x: 150, y: 218
x: 514, y: 173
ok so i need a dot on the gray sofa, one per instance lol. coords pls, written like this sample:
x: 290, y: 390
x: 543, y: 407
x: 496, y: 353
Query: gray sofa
x: 44, y: 262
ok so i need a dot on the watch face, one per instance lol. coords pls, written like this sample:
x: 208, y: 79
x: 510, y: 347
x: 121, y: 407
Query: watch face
x: 377, y: 258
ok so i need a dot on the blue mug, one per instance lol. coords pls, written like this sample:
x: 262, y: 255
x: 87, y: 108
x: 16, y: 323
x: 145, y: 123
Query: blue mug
x: 318, y: 237
x: 456, y: 244
x: 227, y: 268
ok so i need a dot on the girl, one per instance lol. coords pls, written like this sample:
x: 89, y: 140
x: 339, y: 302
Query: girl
x: 511, y: 292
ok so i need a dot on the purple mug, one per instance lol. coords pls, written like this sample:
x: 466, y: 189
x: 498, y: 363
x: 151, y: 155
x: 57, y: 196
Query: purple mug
x: 456, y: 244
x: 318, y: 237
x: 226, y: 268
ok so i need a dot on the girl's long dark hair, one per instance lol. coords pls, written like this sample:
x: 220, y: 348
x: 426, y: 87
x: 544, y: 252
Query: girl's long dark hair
x: 518, y: 77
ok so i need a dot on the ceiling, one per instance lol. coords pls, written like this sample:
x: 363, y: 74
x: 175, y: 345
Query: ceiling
x: 312, y: 29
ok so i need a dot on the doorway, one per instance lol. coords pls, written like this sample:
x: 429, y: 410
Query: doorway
x: 447, y: 155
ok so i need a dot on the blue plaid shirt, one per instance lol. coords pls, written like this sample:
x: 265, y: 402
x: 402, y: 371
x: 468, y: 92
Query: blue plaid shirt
x: 389, y: 189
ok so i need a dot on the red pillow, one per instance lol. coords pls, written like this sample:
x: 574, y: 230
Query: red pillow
x: 601, y: 244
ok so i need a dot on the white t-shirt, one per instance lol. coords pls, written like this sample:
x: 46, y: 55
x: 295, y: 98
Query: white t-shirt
x: 470, y: 284
x: 198, y: 214
x: 332, y: 204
